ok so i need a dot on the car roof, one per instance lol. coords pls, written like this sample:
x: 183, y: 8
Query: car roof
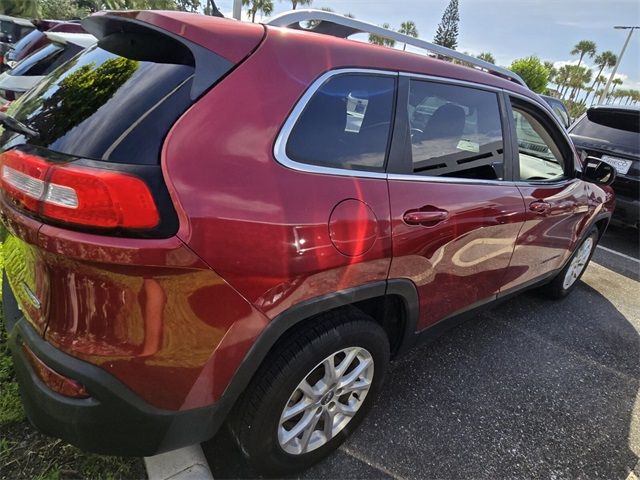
x: 18, y: 21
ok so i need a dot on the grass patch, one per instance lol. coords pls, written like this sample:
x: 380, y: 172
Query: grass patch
x: 25, y: 453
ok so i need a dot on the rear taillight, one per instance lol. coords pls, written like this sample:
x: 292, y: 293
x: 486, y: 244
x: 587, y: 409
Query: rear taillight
x: 77, y: 195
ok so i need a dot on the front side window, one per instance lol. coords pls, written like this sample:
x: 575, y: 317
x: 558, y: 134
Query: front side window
x: 539, y: 157
x: 455, y: 131
x: 346, y: 124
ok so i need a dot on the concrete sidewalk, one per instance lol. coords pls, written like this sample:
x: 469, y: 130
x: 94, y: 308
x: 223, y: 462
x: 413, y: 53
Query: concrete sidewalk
x: 187, y: 463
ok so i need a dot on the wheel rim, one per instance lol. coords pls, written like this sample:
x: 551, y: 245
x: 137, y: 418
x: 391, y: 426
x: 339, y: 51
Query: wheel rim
x: 578, y: 263
x: 326, y: 400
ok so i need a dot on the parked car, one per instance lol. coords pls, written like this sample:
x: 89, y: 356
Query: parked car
x: 611, y: 133
x: 31, y: 70
x: 213, y: 221
x: 12, y: 29
x: 37, y: 39
x: 559, y: 109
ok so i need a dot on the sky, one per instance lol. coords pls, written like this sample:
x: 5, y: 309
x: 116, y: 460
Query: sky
x: 510, y: 29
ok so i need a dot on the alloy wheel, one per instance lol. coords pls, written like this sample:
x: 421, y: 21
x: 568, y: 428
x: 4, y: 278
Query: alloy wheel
x: 326, y: 400
x: 578, y: 263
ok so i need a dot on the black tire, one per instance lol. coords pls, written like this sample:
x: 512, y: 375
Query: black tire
x: 256, y: 418
x: 556, y: 288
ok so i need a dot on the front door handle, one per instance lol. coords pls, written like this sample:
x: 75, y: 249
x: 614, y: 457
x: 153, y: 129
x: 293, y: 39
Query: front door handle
x: 539, y: 206
x: 421, y: 218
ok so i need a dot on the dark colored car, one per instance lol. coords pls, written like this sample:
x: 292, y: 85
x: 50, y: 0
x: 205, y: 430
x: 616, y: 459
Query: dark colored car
x: 37, y: 39
x: 28, y: 72
x: 611, y: 133
x: 559, y: 109
x: 12, y: 29
x: 213, y: 221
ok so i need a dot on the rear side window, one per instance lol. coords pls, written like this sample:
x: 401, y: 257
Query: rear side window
x: 106, y: 107
x: 455, y: 131
x: 346, y: 124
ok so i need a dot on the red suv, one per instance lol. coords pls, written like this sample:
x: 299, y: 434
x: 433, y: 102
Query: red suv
x: 218, y: 222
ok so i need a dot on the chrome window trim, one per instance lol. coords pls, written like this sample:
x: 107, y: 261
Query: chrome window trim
x: 280, y: 146
x: 451, y: 81
x: 458, y: 180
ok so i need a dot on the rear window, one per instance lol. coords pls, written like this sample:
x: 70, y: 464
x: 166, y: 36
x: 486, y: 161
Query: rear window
x: 620, y: 129
x: 106, y: 107
x: 25, y: 42
x: 45, y: 60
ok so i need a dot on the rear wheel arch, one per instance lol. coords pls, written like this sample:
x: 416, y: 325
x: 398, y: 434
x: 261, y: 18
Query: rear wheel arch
x: 393, y: 304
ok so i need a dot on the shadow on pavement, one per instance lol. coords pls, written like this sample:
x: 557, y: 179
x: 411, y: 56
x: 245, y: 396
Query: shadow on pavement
x: 532, y: 388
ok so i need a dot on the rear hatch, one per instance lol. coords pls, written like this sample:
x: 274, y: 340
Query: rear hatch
x: 82, y: 188
x: 613, y: 135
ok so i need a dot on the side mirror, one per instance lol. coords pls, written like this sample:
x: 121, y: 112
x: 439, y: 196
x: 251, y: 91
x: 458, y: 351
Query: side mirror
x: 598, y: 172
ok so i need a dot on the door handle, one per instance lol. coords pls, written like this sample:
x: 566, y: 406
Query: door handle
x: 420, y: 218
x: 539, y: 206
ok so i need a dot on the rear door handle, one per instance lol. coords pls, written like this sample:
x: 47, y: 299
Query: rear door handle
x: 539, y: 206
x: 420, y: 218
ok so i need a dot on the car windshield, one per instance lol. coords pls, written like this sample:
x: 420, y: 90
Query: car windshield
x: 606, y: 128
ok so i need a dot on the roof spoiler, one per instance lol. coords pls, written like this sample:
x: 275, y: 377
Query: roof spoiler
x: 146, y: 42
x: 83, y: 40
x: 334, y: 24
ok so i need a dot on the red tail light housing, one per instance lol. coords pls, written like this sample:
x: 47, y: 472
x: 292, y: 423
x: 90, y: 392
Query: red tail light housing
x: 78, y: 195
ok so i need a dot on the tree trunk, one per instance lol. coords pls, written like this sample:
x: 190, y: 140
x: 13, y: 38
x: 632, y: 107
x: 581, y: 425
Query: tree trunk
x: 294, y: 4
x: 594, y: 82
x: 253, y: 15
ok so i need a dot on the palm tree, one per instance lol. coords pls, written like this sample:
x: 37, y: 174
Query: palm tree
x: 378, y: 40
x: 604, y: 60
x: 615, y: 83
x: 562, y: 78
x: 408, y: 28
x: 265, y: 7
x: 552, y: 71
x: 582, y: 48
x: 487, y: 57
x: 295, y: 3
x: 580, y: 77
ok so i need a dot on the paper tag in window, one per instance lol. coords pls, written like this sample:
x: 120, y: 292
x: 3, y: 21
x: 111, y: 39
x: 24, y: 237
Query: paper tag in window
x: 469, y: 146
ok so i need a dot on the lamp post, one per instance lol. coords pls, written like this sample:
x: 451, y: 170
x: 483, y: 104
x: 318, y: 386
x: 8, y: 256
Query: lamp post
x: 615, y: 69
x: 237, y: 9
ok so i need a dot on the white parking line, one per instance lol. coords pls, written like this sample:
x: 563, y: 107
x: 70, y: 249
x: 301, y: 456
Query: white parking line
x: 628, y: 257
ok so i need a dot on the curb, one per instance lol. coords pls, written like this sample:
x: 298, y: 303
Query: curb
x: 188, y: 463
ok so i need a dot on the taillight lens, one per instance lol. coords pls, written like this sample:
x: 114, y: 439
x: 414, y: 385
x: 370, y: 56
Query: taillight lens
x: 78, y: 195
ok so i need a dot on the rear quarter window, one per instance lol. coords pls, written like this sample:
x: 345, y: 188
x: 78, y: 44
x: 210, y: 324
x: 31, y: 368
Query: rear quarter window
x: 346, y: 124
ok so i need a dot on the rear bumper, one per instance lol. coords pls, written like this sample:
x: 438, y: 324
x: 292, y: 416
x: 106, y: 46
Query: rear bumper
x: 113, y: 420
x: 627, y: 210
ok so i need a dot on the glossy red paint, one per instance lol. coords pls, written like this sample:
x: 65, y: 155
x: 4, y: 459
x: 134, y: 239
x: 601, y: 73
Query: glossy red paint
x: 174, y: 318
x: 555, y: 219
x: 463, y: 259
x: 228, y: 38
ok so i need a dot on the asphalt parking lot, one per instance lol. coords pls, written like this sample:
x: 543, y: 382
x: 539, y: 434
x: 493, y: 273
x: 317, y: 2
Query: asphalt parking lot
x: 530, y: 389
